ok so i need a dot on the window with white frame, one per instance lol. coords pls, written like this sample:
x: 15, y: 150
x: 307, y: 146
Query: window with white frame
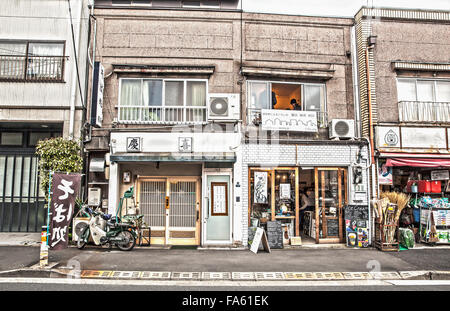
x: 423, y: 100
x: 165, y: 101
x: 286, y: 96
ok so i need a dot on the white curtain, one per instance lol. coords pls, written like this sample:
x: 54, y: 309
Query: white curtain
x: 45, y: 67
x: 131, y: 96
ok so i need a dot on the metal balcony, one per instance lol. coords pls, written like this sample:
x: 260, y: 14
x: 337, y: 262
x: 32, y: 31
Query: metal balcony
x: 32, y: 68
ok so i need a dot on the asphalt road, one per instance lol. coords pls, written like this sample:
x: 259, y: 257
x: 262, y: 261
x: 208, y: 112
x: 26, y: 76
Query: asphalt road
x: 301, y: 260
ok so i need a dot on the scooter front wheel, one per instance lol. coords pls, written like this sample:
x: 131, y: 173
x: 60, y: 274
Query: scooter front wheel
x: 128, y: 241
x: 83, y: 237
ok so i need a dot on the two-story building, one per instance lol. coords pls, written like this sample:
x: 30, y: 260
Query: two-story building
x: 43, y: 48
x: 404, y: 78
x: 220, y: 120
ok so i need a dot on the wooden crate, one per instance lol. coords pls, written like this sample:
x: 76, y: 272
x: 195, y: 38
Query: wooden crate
x: 380, y: 242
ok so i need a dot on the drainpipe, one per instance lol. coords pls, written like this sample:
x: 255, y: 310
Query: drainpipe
x: 74, y: 78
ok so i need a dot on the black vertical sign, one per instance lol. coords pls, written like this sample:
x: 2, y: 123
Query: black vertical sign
x: 65, y: 189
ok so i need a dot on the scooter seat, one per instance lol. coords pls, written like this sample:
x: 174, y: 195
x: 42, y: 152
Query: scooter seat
x: 106, y: 216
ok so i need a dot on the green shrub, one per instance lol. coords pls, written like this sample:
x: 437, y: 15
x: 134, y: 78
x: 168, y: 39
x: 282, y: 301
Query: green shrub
x: 58, y: 155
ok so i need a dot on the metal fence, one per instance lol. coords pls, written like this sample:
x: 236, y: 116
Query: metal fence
x: 22, y: 204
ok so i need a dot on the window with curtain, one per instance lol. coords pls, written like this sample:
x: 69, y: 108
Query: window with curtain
x: 286, y: 96
x: 31, y: 61
x: 162, y: 101
x: 423, y: 100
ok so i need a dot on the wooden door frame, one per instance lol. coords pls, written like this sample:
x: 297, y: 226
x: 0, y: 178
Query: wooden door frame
x: 271, y: 172
x: 168, y: 180
x: 342, y: 178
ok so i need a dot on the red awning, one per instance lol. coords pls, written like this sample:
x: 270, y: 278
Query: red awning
x: 418, y: 162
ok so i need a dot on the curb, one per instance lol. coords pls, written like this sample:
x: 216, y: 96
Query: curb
x: 224, y: 276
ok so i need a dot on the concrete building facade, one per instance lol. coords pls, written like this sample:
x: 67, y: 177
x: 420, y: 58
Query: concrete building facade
x: 169, y: 73
x: 43, y: 57
x: 404, y: 80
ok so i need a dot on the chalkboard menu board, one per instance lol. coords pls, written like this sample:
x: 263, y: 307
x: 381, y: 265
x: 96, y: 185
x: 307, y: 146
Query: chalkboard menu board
x: 332, y: 227
x: 359, y: 214
x: 357, y: 224
x: 275, y: 234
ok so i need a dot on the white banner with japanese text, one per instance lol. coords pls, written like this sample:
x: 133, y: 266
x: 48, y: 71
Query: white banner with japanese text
x: 65, y: 189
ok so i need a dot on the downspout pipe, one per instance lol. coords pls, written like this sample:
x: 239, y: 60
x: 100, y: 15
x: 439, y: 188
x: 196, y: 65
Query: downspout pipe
x: 73, y: 94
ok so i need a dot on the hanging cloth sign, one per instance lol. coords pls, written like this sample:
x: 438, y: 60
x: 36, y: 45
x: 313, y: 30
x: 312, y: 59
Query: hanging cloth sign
x: 65, y: 189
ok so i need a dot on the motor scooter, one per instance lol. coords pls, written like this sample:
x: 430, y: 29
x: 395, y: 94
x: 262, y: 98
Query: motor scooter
x: 107, y: 231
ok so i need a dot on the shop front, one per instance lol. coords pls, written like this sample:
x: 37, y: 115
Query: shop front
x: 425, y: 182
x: 305, y: 188
x: 182, y: 184
x: 300, y: 198
x: 414, y: 162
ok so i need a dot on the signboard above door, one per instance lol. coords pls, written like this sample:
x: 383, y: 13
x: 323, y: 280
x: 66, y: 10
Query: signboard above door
x: 288, y: 120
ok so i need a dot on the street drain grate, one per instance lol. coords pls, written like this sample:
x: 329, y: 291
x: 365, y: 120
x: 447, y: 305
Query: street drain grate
x: 357, y: 275
x: 216, y: 275
x: 186, y: 275
x: 385, y: 275
x: 243, y: 276
x: 126, y: 274
x: 313, y: 276
x: 95, y: 274
x: 269, y: 275
x: 154, y: 275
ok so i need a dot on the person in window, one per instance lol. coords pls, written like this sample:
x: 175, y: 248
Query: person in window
x: 274, y: 100
x: 295, y: 105
x: 308, y: 204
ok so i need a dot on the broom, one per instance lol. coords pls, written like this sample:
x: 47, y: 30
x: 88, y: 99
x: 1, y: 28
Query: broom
x: 401, y: 201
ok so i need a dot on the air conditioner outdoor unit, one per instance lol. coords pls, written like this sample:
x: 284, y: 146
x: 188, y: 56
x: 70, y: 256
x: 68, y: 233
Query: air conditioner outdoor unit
x: 78, y: 224
x: 223, y: 107
x: 342, y: 128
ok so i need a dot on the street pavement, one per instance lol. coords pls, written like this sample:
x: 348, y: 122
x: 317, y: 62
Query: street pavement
x: 224, y: 268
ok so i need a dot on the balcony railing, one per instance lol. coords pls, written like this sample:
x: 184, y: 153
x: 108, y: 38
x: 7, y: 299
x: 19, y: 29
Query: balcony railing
x: 32, y: 68
x: 424, y: 112
x: 162, y: 115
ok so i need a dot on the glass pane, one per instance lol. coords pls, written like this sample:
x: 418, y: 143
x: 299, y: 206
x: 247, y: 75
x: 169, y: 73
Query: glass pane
x: 174, y: 93
x: 196, y: 93
x: 130, y: 92
x: 259, y: 95
x: 260, y: 194
x: 329, y: 204
x: 2, y: 175
x: 13, y: 48
x: 284, y: 95
x: 46, y: 49
x: 443, y: 92
x: 314, y: 97
x: 152, y: 92
x: 425, y: 91
x: 130, y: 95
x: 35, y: 137
x: 406, y: 90
x: 12, y: 64
x: 12, y: 138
